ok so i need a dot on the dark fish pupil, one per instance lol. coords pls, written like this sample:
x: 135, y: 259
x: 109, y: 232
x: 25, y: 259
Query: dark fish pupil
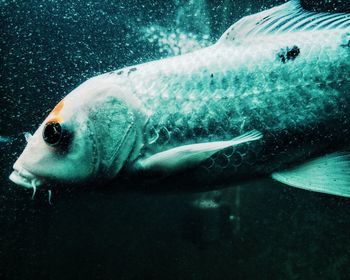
x: 52, y: 133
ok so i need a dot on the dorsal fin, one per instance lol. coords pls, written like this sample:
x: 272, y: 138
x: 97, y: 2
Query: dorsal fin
x: 288, y: 17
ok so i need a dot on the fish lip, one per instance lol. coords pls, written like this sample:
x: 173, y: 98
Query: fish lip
x: 24, y: 178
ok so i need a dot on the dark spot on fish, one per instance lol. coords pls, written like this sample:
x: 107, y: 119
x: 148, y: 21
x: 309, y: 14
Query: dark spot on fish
x: 230, y: 36
x: 293, y: 53
x: 283, y: 58
x: 132, y: 70
x: 211, y: 75
x: 288, y: 54
x: 120, y: 72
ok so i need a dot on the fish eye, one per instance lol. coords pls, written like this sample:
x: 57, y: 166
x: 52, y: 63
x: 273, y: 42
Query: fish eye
x: 53, y: 133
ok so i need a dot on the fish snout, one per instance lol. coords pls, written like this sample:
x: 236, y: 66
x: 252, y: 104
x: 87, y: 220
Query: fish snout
x: 24, y: 178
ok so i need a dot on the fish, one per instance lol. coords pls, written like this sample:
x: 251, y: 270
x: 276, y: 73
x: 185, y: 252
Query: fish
x: 269, y: 99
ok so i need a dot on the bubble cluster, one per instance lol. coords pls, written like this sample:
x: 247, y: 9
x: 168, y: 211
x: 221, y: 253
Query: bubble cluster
x: 174, y: 41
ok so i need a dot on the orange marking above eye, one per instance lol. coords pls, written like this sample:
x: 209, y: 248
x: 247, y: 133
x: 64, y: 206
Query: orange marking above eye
x: 58, y: 108
x: 55, y: 115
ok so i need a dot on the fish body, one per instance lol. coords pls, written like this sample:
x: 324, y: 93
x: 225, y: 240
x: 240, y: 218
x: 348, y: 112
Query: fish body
x: 223, y: 91
x: 269, y: 96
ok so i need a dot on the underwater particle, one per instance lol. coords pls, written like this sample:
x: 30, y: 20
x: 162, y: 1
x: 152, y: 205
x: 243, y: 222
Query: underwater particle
x: 50, y: 197
x: 288, y: 54
x: 4, y: 139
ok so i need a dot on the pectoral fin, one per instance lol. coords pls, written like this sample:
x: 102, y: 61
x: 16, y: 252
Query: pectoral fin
x: 328, y: 174
x: 27, y: 136
x: 188, y: 156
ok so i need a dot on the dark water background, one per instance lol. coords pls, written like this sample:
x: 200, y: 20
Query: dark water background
x: 262, y: 231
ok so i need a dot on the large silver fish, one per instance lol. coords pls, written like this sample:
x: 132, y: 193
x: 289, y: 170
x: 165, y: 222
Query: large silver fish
x: 270, y: 98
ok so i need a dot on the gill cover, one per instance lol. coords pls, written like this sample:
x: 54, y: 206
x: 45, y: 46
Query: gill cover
x: 113, y: 125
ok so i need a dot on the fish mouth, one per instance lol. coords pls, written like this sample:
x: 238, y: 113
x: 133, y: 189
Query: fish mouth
x: 24, y: 178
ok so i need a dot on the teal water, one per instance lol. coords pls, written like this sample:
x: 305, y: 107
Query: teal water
x: 262, y: 231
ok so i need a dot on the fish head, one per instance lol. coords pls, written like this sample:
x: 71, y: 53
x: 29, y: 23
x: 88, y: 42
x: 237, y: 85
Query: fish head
x: 89, y: 134
x: 61, y: 149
